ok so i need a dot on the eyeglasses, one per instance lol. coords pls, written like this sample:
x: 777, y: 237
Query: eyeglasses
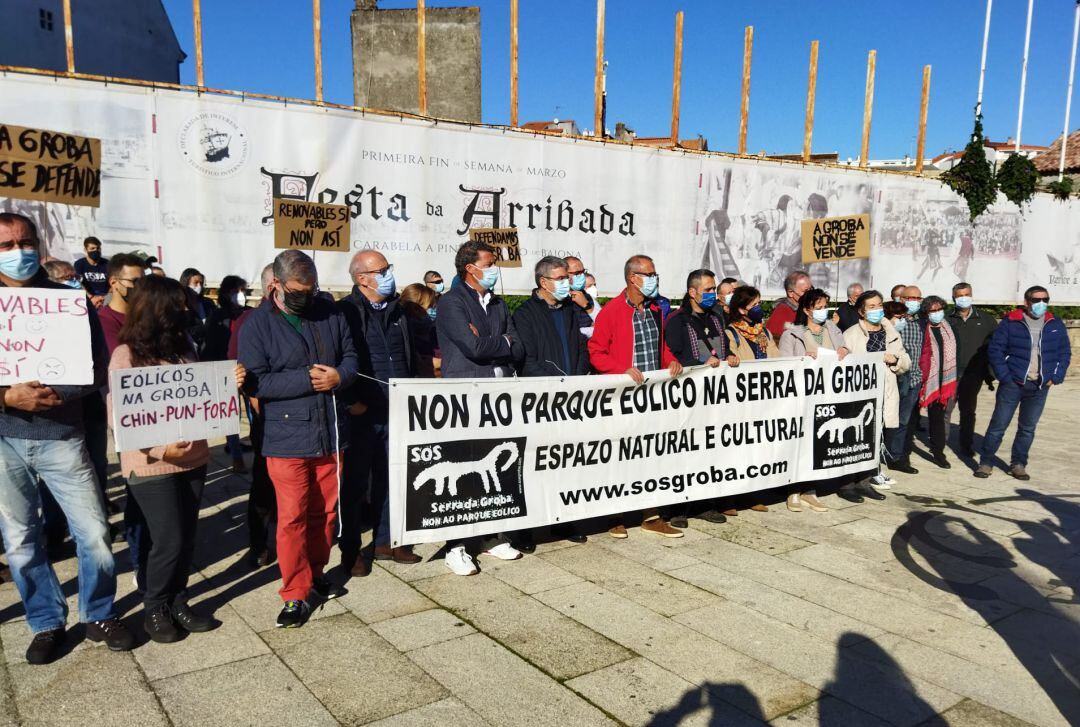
x: 26, y: 244
x: 583, y: 271
x: 380, y: 271
x: 558, y: 279
x: 1041, y: 300
x: 435, y: 282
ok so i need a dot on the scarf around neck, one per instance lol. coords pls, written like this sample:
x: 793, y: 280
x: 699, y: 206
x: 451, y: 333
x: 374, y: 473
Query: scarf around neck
x: 935, y: 373
x: 752, y: 332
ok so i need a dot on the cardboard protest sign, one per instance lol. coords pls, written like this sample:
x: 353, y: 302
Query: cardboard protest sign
x: 49, y: 166
x: 311, y: 225
x: 505, y: 241
x: 158, y: 405
x: 45, y: 336
x: 832, y: 239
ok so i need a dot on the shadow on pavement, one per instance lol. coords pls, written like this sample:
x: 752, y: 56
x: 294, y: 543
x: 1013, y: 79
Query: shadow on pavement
x: 1044, y: 638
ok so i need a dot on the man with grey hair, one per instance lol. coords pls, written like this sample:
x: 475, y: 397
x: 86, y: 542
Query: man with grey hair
x: 384, y: 350
x: 299, y: 355
x: 629, y: 339
x: 784, y: 310
x: 846, y: 314
x: 548, y: 327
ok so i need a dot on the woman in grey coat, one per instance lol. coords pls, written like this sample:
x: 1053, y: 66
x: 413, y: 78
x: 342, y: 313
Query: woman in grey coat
x: 812, y: 331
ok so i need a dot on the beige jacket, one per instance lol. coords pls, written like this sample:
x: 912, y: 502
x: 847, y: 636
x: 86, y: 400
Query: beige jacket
x: 855, y: 339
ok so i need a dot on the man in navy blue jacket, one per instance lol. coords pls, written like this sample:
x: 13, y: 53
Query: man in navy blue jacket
x: 478, y: 341
x: 1029, y: 352
x: 299, y: 355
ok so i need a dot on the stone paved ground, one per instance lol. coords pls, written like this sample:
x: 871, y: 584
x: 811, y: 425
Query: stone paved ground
x: 952, y: 602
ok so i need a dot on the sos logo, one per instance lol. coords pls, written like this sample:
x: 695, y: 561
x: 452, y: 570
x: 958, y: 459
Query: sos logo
x: 431, y: 453
x: 825, y: 411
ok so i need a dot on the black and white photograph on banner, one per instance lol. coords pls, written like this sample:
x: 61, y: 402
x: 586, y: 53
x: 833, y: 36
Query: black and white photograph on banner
x: 749, y: 218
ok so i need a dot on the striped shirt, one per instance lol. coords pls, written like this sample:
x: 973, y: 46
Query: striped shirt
x: 646, y: 340
x: 912, y: 336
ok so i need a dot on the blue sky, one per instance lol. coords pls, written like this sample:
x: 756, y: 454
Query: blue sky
x: 266, y: 47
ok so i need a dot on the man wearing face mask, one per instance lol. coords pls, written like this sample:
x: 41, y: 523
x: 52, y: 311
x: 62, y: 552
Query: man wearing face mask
x: 784, y: 310
x: 973, y: 330
x: 695, y: 335
x: 384, y: 351
x: 124, y: 270
x: 629, y: 339
x: 478, y: 340
x: 92, y: 271
x: 724, y: 292
x: 909, y: 384
x: 548, y: 327
x: 42, y: 436
x: 1029, y: 353
x: 301, y: 362
x: 586, y: 305
x: 434, y: 280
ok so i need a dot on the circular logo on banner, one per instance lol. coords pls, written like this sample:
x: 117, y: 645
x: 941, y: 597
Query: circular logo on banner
x: 214, y: 144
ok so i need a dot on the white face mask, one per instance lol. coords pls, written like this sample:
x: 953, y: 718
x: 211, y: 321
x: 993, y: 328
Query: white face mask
x: 197, y: 288
x: 591, y: 290
x: 240, y: 298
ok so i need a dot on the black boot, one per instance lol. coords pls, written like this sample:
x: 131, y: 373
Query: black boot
x: 159, y: 625
x: 190, y: 621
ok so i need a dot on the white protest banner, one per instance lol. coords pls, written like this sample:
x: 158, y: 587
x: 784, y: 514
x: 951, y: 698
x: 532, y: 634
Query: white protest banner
x: 476, y: 456
x: 45, y: 336
x: 156, y: 405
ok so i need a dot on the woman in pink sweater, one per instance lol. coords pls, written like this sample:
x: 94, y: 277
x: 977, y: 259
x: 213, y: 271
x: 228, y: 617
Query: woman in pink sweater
x: 166, y: 481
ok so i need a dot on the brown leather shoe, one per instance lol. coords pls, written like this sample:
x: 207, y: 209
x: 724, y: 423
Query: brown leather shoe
x: 360, y: 568
x: 659, y: 526
x: 618, y: 531
x: 759, y: 508
x: 730, y: 512
x: 401, y: 554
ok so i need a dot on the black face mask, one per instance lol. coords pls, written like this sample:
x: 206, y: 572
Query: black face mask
x: 94, y: 255
x: 297, y: 302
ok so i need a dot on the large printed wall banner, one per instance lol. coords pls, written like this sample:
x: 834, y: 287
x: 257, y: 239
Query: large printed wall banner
x: 476, y: 456
x: 192, y: 179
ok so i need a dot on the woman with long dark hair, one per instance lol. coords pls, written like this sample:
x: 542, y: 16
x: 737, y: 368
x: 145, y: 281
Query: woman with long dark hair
x: 200, y: 308
x: 166, y: 481
x: 420, y: 303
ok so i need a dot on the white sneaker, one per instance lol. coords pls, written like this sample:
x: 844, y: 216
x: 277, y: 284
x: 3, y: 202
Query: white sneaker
x: 881, y: 481
x: 503, y: 551
x: 460, y: 562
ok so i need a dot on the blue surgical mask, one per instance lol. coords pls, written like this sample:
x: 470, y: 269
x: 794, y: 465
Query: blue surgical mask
x: 727, y: 298
x: 19, y: 264
x: 561, y: 290
x: 755, y: 314
x: 900, y: 324
x: 439, y: 288
x: 913, y: 306
x: 385, y: 285
x: 820, y: 315
x: 431, y: 312
x: 963, y: 302
x: 708, y: 300
x: 1039, y: 309
x: 649, y: 285
x: 490, y: 277
x: 875, y: 316
x: 936, y: 317
x: 73, y: 283
x: 577, y: 282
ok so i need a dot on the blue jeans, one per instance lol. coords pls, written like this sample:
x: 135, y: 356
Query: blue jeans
x: 65, y: 468
x: 1031, y: 398
x: 897, y: 444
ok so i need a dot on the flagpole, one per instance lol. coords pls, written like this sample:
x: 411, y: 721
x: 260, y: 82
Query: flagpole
x: 1068, y: 96
x: 1023, y: 76
x: 982, y: 64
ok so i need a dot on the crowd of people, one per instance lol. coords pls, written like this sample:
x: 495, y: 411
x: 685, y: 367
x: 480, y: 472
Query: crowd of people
x: 314, y: 374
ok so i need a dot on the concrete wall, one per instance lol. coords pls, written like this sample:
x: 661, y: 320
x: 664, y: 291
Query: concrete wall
x: 385, y: 67
x: 122, y: 38
x: 1074, y: 340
